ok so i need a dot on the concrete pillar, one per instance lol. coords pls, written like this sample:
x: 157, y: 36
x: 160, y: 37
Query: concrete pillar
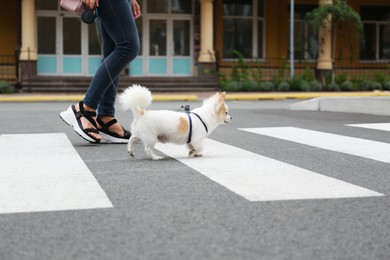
x: 324, y: 63
x: 207, y: 53
x: 28, y: 31
x: 28, y: 53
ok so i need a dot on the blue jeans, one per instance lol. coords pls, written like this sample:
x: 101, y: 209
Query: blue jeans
x: 120, y: 44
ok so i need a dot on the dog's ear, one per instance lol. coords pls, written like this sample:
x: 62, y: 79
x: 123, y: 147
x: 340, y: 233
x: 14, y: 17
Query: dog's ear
x: 220, y: 100
x: 222, y: 96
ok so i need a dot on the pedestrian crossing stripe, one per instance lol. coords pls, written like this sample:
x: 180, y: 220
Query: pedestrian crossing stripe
x: 381, y: 126
x: 258, y: 178
x: 374, y: 150
x: 43, y: 172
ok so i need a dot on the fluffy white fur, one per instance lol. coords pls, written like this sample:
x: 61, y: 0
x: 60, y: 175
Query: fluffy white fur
x: 152, y: 126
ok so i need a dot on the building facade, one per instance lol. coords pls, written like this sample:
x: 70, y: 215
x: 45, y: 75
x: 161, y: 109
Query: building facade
x: 185, y: 39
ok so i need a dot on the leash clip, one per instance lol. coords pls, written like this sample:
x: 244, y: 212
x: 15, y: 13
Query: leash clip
x: 186, y: 108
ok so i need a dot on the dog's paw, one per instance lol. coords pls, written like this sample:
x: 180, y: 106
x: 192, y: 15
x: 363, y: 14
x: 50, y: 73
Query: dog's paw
x: 195, y: 155
x: 157, y: 158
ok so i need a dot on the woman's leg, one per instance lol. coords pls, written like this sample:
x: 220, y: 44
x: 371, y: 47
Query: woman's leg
x: 119, y: 27
x: 106, y: 105
x: 122, y: 46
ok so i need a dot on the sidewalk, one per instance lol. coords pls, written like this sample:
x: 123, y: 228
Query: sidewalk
x: 161, y: 97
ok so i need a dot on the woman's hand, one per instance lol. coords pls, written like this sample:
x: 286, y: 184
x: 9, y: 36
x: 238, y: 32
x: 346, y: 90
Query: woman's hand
x: 136, y: 9
x: 91, y: 4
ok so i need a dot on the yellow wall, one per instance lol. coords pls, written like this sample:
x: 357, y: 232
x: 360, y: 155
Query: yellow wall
x: 8, y: 27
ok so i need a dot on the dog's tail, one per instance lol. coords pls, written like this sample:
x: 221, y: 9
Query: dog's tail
x: 136, y: 98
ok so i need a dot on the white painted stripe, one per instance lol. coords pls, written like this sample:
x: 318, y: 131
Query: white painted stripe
x: 382, y: 127
x: 258, y: 178
x: 43, y: 172
x: 344, y: 144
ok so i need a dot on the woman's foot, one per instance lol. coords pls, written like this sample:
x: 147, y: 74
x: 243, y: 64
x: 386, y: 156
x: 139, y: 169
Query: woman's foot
x: 111, y: 131
x: 115, y: 128
x: 86, y: 123
x: 82, y: 119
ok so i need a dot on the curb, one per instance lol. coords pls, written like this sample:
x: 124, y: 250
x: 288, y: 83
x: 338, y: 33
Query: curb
x: 198, y: 97
x: 303, y: 95
x: 23, y: 98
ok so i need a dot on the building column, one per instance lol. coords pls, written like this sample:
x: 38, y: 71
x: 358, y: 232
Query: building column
x: 207, y: 54
x: 28, y: 53
x: 325, y: 63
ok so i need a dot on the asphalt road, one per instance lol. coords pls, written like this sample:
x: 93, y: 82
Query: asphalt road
x: 166, y: 210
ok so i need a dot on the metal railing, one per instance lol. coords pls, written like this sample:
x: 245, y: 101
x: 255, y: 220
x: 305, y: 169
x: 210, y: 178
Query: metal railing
x: 9, y: 67
x: 280, y: 67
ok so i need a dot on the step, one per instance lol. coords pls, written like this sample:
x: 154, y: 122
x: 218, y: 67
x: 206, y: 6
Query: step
x: 80, y: 84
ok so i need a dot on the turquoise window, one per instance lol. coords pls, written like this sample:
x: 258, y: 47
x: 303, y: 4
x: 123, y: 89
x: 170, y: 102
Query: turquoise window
x: 136, y: 67
x: 182, y: 66
x: 72, y: 65
x: 93, y: 64
x: 158, y: 66
x: 47, y: 64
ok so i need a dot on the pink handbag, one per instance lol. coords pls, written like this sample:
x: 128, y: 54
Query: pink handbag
x: 74, y: 6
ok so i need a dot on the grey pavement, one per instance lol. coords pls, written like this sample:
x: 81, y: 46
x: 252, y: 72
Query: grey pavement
x: 165, y: 210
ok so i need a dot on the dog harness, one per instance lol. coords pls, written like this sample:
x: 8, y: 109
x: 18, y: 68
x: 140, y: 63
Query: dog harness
x: 190, y: 121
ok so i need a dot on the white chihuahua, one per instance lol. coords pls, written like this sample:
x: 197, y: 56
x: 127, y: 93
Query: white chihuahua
x: 152, y: 126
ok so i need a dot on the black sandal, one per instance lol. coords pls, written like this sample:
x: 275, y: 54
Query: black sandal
x: 111, y: 137
x: 72, y: 118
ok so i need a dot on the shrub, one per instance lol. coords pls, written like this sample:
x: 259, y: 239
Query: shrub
x: 5, y: 87
x: 346, y: 86
x: 250, y: 85
x: 283, y: 86
x: 357, y: 82
x: 381, y: 77
x: 231, y: 86
x: 308, y: 75
x: 333, y: 87
x: 370, y: 85
x: 305, y: 86
x: 276, y: 79
x: 257, y: 71
x: 299, y: 84
x: 386, y: 85
x: 315, y: 85
x: 267, y: 86
x: 340, y: 78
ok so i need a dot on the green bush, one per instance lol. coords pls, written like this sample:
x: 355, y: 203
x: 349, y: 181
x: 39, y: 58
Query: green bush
x: 283, y: 86
x: 346, y: 86
x: 295, y: 83
x: 305, y: 86
x: 308, y: 75
x: 315, y: 85
x: 5, y: 87
x: 299, y: 84
x: 370, y: 85
x: 277, y: 79
x: 341, y: 78
x: 257, y: 71
x: 381, y: 77
x: 231, y: 86
x: 250, y: 85
x: 386, y: 85
x: 333, y: 87
x: 267, y: 86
